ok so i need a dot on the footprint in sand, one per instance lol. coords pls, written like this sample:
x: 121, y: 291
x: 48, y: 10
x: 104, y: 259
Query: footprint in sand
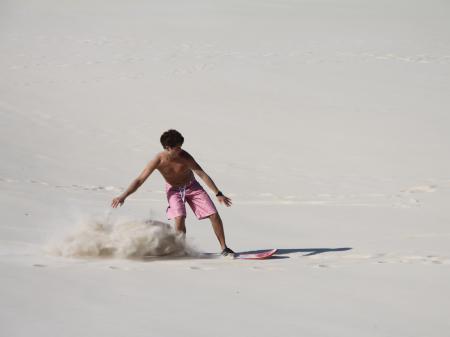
x: 121, y: 268
x: 321, y: 266
x: 200, y: 268
x: 8, y: 180
x: 383, y: 258
x: 256, y: 268
x: 416, y: 259
x: 421, y: 189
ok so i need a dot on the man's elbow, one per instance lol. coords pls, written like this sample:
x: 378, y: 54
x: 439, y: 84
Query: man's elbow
x: 201, y: 174
x: 139, y: 181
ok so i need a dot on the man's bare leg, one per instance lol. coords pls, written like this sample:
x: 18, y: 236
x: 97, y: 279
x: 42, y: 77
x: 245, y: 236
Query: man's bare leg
x: 217, y: 224
x: 180, y: 224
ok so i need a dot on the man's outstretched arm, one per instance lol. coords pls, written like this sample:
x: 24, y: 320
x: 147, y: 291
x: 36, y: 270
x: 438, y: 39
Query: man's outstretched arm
x: 209, y: 182
x: 149, y: 168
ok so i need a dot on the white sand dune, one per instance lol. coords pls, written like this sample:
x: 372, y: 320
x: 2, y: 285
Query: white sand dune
x: 326, y: 122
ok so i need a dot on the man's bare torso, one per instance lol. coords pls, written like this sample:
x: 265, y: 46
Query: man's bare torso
x: 176, y: 170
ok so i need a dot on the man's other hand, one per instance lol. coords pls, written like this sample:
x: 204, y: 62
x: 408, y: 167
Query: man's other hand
x: 224, y: 200
x: 118, y: 201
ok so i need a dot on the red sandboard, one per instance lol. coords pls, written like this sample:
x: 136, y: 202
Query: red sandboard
x: 256, y: 256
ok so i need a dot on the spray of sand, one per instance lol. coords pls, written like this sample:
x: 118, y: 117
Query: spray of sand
x: 126, y: 239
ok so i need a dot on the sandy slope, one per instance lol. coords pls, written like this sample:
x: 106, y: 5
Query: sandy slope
x: 325, y: 121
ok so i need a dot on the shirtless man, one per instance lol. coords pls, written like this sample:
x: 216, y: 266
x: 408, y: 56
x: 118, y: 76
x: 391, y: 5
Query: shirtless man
x: 178, y: 168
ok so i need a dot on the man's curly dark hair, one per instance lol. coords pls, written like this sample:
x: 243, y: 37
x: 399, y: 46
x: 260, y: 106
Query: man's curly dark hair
x: 171, y: 138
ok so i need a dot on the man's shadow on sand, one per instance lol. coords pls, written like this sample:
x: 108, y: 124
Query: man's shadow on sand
x: 309, y: 251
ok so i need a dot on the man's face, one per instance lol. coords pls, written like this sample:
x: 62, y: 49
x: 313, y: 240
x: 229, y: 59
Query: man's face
x: 173, y: 150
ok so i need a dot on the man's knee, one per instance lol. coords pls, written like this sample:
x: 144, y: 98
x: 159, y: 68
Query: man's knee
x: 215, y: 217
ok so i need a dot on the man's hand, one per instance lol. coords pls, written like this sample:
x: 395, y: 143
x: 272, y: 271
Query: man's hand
x: 224, y: 200
x: 117, y: 201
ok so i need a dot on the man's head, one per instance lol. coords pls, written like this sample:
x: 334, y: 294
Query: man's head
x: 171, y: 139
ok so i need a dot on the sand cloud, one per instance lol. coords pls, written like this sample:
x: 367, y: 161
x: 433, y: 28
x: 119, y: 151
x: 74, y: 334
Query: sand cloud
x: 128, y: 239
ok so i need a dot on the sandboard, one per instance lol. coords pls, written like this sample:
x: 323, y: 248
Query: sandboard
x: 255, y: 256
x: 241, y: 256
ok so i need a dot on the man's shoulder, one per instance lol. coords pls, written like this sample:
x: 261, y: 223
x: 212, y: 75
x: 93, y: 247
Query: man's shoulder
x: 186, y: 155
x: 159, y: 156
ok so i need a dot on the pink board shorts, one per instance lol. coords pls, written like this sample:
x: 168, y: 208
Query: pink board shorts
x: 197, y: 198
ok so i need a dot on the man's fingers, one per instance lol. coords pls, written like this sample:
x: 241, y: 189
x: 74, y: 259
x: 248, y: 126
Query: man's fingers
x: 116, y: 203
x: 225, y: 200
